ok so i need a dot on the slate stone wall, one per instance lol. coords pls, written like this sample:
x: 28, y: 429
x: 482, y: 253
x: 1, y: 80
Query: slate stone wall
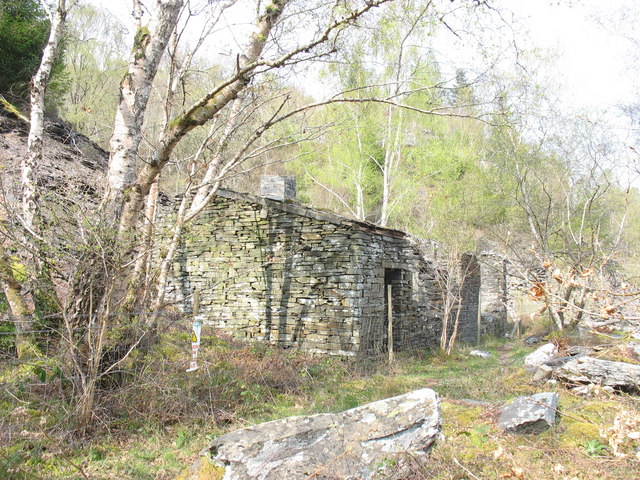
x: 493, y: 294
x: 470, y: 296
x: 287, y: 275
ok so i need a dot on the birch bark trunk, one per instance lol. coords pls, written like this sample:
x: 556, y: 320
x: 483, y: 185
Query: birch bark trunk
x: 148, y: 48
x: 200, y: 113
x: 12, y: 289
x: 45, y: 299
x: 30, y: 163
x: 135, y: 88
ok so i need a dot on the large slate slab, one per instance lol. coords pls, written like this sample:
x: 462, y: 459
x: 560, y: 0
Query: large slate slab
x: 328, y: 446
x: 531, y: 414
x: 540, y: 356
x: 619, y: 375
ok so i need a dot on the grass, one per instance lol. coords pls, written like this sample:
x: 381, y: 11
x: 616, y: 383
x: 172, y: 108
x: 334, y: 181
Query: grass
x: 154, y: 424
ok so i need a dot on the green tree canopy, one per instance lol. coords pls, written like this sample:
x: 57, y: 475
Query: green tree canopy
x: 24, y: 29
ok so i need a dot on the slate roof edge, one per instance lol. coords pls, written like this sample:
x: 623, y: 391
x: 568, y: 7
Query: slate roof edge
x: 297, y: 209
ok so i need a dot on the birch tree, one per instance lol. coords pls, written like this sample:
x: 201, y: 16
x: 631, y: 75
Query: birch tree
x: 149, y: 45
x: 44, y: 295
x: 30, y: 203
x: 127, y: 191
x: 104, y: 274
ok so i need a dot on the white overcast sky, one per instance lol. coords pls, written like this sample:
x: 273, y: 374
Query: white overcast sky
x: 592, y: 58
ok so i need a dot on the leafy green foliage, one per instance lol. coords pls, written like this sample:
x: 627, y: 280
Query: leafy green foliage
x: 595, y: 448
x: 95, y: 64
x: 24, y: 30
x: 478, y: 435
x: 7, y: 329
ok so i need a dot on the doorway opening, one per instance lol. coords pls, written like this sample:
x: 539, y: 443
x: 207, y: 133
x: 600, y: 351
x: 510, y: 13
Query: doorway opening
x: 392, y: 308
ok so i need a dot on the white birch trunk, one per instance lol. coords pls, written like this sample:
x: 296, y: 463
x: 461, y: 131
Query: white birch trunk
x: 43, y: 292
x: 360, y: 207
x: 200, y: 113
x: 140, y: 270
x: 31, y: 162
x: 391, y: 160
x: 135, y: 88
x: 148, y: 48
x: 207, y: 183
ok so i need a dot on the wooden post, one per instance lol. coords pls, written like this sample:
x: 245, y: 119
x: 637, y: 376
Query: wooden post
x: 195, y: 333
x: 196, y: 302
x: 479, y: 312
x: 390, y: 323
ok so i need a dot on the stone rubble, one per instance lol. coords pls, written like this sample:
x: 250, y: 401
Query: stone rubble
x: 531, y: 414
x: 540, y: 356
x: 330, y: 445
x: 479, y: 354
x: 588, y: 370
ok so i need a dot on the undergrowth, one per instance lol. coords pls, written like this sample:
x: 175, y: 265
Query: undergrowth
x: 153, y: 418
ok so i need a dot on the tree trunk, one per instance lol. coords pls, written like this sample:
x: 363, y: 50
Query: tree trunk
x: 137, y: 289
x: 25, y: 340
x: 44, y: 295
x: 200, y: 113
x: 135, y: 88
x: 95, y: 271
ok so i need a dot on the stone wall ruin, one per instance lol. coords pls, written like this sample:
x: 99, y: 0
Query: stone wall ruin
x: 277, y: 272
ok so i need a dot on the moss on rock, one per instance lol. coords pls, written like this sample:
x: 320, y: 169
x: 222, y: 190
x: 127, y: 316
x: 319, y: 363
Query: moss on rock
x: 202, y: 469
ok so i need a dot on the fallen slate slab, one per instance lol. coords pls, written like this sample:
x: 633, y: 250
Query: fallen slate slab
x: 578, y: 350
x: 531, y: 414
x: 340, y: 445
x: 558, y: 361
x: 540, y: 356
x: 543, y: 372
x: 619, y: 375
x: 532, y: 340
x: 480, y: 354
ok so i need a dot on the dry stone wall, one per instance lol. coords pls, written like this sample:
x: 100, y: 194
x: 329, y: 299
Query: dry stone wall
x: 469, y: 298
x: 276, y: 272
x: 493, y: 294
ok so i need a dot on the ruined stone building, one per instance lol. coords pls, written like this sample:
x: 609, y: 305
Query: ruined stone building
x: 268, y: 269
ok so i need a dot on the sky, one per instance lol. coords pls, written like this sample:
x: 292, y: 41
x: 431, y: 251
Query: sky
x: 587, y: 57
x: 589, y: 69
x: 591, y: 59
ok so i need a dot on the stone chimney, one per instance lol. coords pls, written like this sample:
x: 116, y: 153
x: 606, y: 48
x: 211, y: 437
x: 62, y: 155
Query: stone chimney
x: 277, y: 187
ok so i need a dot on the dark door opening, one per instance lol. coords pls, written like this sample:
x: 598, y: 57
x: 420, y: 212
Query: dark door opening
x: 392, y: 293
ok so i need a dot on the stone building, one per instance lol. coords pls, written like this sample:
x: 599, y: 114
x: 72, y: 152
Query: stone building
x: 493, y: 293
x: 271, y: 270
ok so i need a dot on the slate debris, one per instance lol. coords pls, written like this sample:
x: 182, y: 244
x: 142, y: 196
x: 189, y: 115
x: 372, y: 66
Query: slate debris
x: 530, y: 414
x: 332, y: 445
x: 479, y: 354
x: 542, y: 355
x: 588, y: 370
